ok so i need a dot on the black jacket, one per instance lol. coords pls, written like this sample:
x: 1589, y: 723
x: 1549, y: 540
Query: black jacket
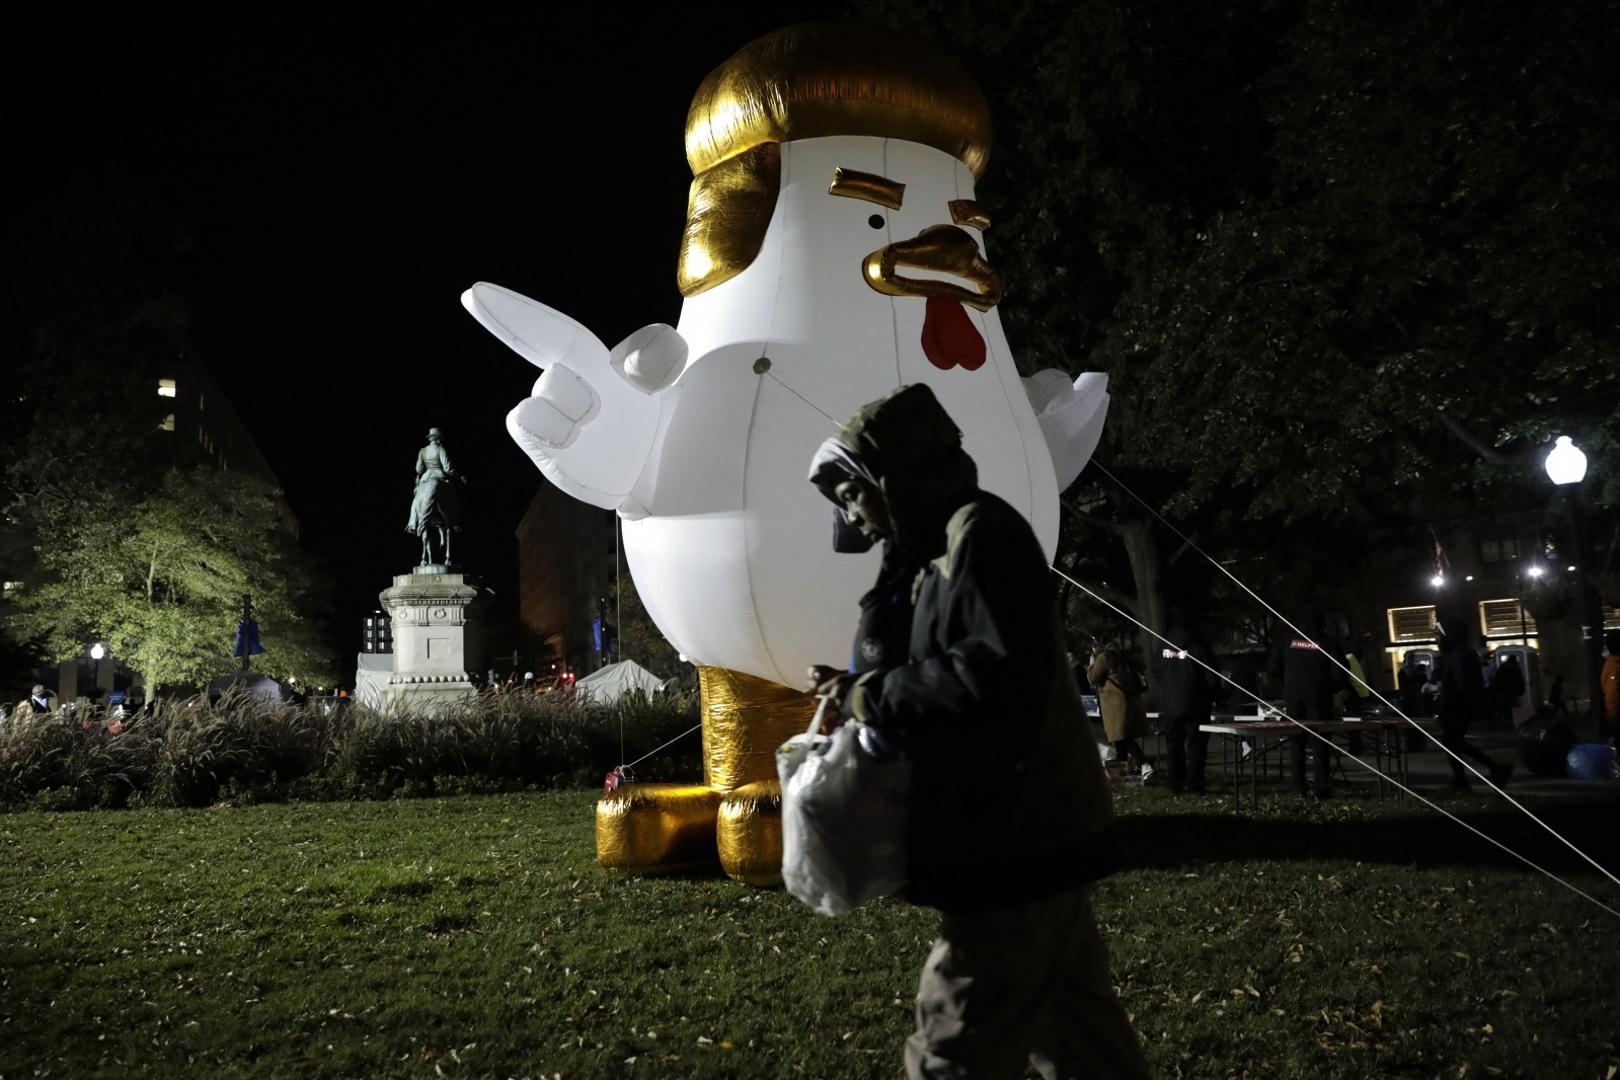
x: 1009, y: 800
x: 1308, y: 675
x: 1185, y: 687
x: 883, y: 631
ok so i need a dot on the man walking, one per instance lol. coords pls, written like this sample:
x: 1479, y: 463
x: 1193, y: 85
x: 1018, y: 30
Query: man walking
x: 1010, y: 809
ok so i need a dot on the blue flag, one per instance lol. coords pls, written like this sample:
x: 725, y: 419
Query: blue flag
x: 247, y: 639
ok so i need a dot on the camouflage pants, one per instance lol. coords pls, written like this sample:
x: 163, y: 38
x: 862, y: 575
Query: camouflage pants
x: 1016, y: 985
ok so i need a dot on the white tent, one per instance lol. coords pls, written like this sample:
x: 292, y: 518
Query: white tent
x: 616, y: 680
x: 371, y: 674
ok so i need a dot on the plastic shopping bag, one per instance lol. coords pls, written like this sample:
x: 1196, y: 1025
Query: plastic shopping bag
x: 844, y: 817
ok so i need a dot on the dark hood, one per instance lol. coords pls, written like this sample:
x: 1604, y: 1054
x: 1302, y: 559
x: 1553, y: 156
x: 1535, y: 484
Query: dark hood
x: 832, y: 464
x: 913, y: 450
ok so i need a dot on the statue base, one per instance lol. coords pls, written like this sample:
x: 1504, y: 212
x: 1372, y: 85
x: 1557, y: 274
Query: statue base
x: 438, y: 636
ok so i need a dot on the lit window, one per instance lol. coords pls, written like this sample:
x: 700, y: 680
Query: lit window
x: 1411, y: 623
x: 1501, y: 618
x: 166, y: 388
x: 168, y: 423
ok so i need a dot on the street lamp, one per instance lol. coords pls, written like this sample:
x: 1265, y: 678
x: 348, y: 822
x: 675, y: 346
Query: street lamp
x: 1565, y: 462
x: 98, y: 652
x: 1566, y: 467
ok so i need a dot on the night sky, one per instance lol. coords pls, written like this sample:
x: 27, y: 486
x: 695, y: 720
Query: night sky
x: 345, y: 180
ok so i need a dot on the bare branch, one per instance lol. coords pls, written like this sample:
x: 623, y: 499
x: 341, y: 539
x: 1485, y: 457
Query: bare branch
x: 1089, y: 518
x: 1486, y: 453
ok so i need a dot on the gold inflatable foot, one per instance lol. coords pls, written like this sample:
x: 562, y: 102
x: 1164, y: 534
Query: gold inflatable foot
x: 657, y: 828
x: 735, y: 815
x: 749, y: 833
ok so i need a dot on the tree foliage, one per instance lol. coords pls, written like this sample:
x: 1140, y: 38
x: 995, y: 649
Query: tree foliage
x: 112, y: 537
x: 1310, y: 243
x: 162, y: 582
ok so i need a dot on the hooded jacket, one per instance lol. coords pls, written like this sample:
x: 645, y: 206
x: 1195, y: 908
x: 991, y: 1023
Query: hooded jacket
x: 1462, y: 686
x: 1009, y: 800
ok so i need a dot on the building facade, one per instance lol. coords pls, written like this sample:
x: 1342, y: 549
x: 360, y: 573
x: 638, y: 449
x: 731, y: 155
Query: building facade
x: 567, y: 567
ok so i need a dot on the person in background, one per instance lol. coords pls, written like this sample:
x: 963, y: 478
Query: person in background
x: 1462, y: 701
x: 1507, y: 687
x: 1609, y: 677
x: 1185, y: 700
x: 1357, y: 699
x: 1309, y: 681
x: 1410, y: 680
x: 39, y: 700
x: 1124, y: 712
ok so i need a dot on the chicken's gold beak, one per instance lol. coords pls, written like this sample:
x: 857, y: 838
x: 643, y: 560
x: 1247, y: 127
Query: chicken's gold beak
x: 938, y: 249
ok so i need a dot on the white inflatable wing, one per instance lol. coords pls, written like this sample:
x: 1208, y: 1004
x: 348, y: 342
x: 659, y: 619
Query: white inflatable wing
x: 586, y: 425
x: 1071, y: 417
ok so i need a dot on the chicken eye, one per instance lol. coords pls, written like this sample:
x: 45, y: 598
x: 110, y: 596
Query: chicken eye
x: 876, y: 221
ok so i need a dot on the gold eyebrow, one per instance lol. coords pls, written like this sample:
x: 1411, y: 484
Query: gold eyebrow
x: 868, y: 186
x: 967, y: 212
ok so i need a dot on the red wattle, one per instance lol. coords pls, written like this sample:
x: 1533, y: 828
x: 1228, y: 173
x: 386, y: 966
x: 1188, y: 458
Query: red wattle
x: 949, y: 337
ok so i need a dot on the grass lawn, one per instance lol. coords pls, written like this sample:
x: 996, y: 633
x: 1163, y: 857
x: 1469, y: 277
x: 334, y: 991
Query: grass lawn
x: 476, y: 936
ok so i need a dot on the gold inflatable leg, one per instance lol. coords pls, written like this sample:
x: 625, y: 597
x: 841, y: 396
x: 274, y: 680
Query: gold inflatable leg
x: 736, y: 815
x: 749, y: 833
x: 657, y: 828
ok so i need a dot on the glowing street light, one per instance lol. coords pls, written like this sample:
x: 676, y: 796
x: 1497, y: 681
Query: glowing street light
x: 1565, y: 462
x: 1566, y: 467
x: 1535, y: 570
x: 98, y: 651
x: 1438, y: 580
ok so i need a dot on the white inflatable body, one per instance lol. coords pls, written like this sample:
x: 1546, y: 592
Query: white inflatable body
x: 701, y: 437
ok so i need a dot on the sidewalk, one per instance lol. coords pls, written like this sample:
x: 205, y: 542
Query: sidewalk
x: 1431, y: 768
x: 1429, y: 771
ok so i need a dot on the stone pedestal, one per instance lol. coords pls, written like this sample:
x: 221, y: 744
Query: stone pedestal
x: 438, y: 636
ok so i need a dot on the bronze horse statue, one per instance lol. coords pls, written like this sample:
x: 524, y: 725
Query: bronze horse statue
x: 435, y: 504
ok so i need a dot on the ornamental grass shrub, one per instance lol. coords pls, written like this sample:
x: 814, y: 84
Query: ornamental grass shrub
x: 240, y: 749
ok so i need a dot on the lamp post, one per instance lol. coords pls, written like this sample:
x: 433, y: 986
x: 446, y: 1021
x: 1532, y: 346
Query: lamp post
x: 98, y: 652
x: 1533, y: 572
x: 1566, y: 468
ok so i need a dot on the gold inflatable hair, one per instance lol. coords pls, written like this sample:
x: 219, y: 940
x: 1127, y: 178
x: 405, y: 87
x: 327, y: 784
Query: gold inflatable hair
x: 806, y: 82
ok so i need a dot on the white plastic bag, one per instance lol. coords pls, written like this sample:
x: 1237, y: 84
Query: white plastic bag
x: 844, y: 818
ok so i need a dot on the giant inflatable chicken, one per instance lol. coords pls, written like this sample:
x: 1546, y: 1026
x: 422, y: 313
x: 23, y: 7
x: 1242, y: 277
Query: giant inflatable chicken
x: 833, y: 251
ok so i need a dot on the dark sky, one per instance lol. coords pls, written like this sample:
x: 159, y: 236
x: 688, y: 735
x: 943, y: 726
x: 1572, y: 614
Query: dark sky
x: 345, y: 180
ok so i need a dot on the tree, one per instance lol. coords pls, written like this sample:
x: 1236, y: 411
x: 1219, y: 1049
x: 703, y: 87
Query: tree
x: 162, y: 582
x: 1305, y: 240
x: 639, y: 638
